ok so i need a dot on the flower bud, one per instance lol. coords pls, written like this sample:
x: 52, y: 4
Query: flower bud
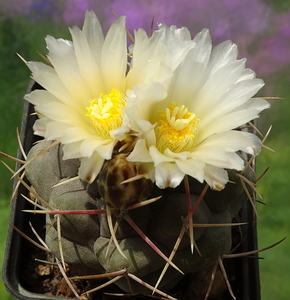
x: 122, y: 195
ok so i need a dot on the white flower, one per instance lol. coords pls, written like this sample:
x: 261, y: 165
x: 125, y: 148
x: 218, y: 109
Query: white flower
x: 191, y: 130
x: 87, y: 83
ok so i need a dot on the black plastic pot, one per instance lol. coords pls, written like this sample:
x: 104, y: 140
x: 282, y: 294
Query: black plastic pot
x: 245, y: 278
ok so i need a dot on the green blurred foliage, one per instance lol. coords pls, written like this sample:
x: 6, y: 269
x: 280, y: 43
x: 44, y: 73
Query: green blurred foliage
x: 279, y: 5
x: 273, y: 221
x: 25, y: 38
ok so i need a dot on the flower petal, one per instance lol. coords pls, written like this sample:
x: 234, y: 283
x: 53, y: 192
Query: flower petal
x: 140, y: 153
x: 158, y: 157
x: 90, y: 167
x: 193, y: 66
x: 233, y: 141
x: 216, y: 155
x: 40, y: 125
x: 87, y: 66
x: 136, y: 110
x: 74, y: 134
x: 238, y: 95
x: 92, y: 29
x: 72, y: 150
x: 148, y: 60
x: 222, y: 54
x: 55, y: 130
x: 192, y: 167
x: 63, y: 58
x: 215, y: 177
x: 48, y: 79
x: 59, y: 112
x: 114, y: 57
x: 215, y: 85
x: 168, y: 175
x: 241, y: 115
x: 39, y: 97
x: 92, y: 144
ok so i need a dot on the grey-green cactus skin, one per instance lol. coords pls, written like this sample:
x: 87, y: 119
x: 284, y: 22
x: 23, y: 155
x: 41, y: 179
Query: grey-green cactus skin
x: 85, y: 237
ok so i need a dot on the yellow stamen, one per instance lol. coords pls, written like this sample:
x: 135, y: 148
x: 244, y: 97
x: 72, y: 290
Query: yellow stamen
x: 105, y: 112
x: 176, y: 129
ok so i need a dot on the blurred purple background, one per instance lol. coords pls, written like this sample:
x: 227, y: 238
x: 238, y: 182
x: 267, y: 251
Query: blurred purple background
x: 262, y: 34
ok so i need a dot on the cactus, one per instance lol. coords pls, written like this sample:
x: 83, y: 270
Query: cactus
x: 85, y: 238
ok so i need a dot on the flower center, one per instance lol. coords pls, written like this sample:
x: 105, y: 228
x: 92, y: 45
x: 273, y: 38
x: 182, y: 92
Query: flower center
x: 176, y: 129
x: 105, y: 112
